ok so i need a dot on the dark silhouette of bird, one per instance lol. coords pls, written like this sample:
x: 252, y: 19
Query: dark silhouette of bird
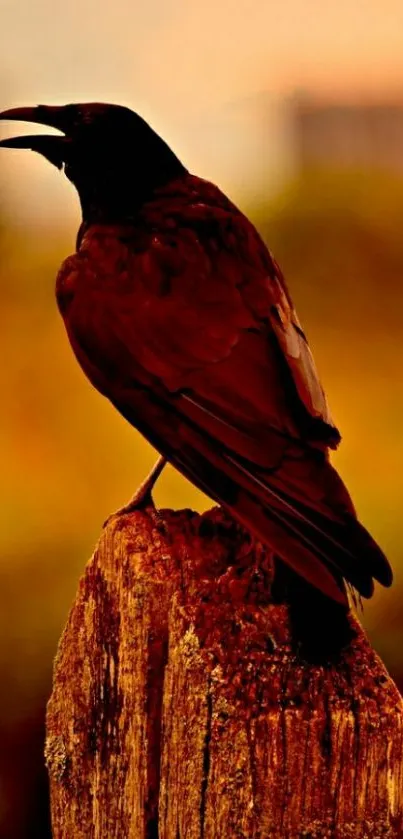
x: 178, y: 313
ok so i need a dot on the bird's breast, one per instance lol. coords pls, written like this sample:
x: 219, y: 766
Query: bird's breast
x: 67, y: 283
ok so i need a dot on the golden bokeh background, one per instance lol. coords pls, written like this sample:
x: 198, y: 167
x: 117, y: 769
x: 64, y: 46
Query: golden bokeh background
x: 295, y: 110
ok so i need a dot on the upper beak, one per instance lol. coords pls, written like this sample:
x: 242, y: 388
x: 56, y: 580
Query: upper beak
x: 51, y: 146
x: 53, y: 115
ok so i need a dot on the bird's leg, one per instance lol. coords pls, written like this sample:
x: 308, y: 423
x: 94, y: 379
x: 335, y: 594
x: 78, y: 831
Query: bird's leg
x: 142, y: 498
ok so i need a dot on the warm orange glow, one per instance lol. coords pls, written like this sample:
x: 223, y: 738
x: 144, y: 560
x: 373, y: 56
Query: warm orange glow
x: 212, y: 78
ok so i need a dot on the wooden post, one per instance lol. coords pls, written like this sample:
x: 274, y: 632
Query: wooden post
x: 185, y: 707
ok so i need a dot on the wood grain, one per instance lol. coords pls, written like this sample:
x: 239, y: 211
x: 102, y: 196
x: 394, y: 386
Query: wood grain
x: 186, y: 706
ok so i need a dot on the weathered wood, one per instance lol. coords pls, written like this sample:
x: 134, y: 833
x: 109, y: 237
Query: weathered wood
x: 183, y: 708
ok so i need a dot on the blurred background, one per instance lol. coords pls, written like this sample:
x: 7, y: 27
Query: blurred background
x: 296, y: 110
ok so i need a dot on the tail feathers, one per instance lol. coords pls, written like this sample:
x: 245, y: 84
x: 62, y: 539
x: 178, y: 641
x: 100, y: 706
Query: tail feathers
x: 342, y: 543
x: 315, y: 534
x: 358, y: 553
x: 267, y: 525
x: 366, y: 549
x: 322, y: 549
x: 293, y: 546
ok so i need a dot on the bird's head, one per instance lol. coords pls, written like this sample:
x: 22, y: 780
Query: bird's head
x: 111, y: 155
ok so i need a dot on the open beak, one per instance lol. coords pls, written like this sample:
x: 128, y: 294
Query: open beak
x: 51, y: 146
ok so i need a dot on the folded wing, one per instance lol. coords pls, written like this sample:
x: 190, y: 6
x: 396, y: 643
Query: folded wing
x: 194, y: 338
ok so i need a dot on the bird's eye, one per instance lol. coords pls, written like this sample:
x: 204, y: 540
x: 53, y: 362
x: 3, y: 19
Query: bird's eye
x: 73, y: 115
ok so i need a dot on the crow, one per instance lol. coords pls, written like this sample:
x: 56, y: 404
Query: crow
x: 178, y: 313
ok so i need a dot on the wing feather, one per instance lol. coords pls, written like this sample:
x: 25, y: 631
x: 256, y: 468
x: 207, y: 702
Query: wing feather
x: 186, y: 324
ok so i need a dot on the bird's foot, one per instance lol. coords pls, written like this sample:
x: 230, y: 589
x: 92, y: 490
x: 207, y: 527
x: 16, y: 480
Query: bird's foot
x: 142, y: 499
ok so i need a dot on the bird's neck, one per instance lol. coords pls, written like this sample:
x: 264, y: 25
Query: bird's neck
x: 109, y: 211
x: 117, y: 197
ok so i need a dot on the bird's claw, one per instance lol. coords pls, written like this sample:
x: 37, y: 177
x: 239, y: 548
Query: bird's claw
x: 141, y: 500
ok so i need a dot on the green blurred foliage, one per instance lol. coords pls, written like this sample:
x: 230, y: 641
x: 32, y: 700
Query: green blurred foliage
x: 68, y: 459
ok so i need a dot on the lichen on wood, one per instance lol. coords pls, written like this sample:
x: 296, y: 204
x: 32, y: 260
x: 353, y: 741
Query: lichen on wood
x: 202, y: 692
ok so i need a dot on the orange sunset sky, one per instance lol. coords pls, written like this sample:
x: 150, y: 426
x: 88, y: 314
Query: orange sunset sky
x: 207, y: 75
x: 213, y: 78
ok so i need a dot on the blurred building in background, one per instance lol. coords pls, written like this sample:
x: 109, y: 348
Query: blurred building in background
x: 347, y: 134
x: 320, y: 174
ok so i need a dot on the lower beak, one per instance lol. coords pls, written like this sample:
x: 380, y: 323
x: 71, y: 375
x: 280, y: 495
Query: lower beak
x: 27, y: 142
